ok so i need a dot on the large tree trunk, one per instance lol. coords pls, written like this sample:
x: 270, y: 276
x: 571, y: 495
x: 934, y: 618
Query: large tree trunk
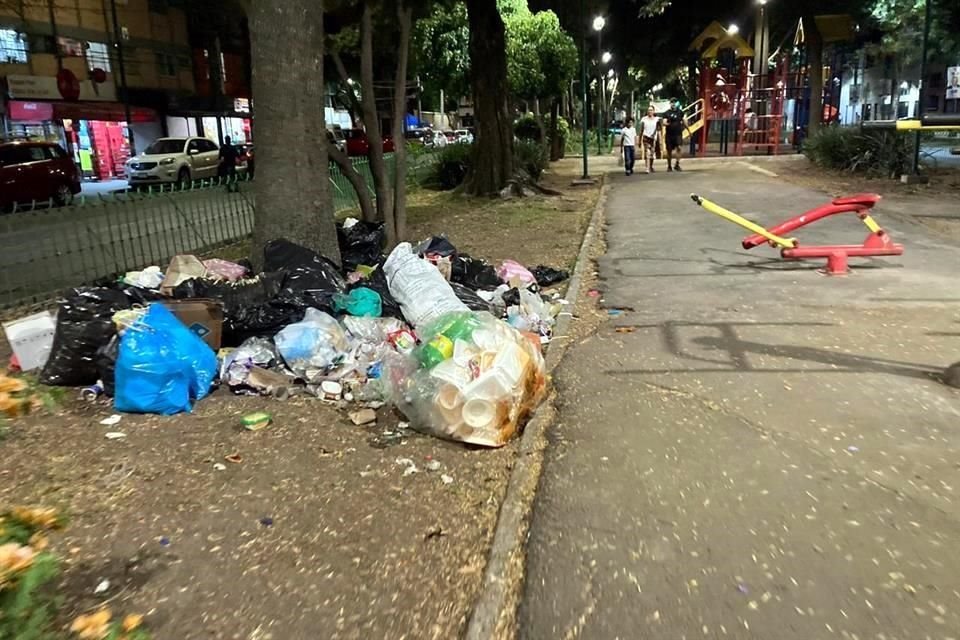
x: 371, y: 117
x: 493, y: 147
x: 367, y: 210
x: 815, y: 73
x: 293, y: 181
x: 397, y: 222
x: 356, y: 110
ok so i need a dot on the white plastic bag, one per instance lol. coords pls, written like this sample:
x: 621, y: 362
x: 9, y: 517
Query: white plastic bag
x: 422, y: 291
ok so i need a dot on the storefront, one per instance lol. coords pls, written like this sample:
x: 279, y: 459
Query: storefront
x: 198, y: 117
x: 82, y: 116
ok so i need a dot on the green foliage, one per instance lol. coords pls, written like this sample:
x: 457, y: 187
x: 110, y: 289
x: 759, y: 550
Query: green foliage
x: 452, y: 165
x: 871, y: 151
x: 528, y: 127
x: 541, y: 57
x: 563, y: 129
x: 440, y: 51
x: 531, y: 157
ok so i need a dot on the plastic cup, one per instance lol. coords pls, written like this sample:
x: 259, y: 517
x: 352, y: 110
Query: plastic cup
x: 479, y: 413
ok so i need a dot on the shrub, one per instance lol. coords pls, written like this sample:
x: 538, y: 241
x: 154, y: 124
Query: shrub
x: 869, y: 151
x: 531, y: 157
x: 452, y: 165
x: 528, y: 128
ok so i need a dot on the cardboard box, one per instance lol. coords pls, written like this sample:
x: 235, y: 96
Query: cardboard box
x: 202, y: 316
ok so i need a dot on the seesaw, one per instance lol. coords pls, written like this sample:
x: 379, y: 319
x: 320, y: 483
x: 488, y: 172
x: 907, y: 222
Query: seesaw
x: 877, y: 243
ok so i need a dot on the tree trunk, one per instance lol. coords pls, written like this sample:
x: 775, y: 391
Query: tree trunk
x: 356, y: 109
x: 493, y: 146
x: 556, y: 144
x: 371, y: 117
x: 814, y: 73
x: 293, y: 182
x: 367, y: 210
x: 397, y: 222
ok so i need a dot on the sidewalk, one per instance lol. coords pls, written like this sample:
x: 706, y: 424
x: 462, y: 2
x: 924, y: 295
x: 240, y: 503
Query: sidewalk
x: 761, y: 452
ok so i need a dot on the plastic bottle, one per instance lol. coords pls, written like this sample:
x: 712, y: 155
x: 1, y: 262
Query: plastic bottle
x: 456, y: 327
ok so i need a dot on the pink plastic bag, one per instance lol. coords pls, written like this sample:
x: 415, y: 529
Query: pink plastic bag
x: 224, y: 269
x: 510, y: 270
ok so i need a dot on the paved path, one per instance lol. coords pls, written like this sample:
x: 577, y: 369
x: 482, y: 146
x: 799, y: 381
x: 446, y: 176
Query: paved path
x: 760, y: 452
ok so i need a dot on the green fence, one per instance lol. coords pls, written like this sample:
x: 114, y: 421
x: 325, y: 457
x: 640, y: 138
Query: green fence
x: 44, y: 250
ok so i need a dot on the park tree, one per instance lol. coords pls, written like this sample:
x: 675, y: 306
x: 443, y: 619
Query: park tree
x: 293, y: 178
x: 492, y: 165
x: 440, y: 52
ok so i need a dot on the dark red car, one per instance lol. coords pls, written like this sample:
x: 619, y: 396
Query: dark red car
x: 34, y: 171
x: 359, y: 145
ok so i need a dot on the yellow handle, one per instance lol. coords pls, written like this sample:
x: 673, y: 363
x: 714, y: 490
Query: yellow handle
x: 714, y: 208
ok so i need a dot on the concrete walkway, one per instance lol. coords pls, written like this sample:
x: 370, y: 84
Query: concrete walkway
x: 751, y: 449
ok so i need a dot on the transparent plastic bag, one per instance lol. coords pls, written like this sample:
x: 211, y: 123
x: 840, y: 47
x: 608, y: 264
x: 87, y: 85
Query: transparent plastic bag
x: 422, y: 291
x: 480, y: 390
x: 312, y: 346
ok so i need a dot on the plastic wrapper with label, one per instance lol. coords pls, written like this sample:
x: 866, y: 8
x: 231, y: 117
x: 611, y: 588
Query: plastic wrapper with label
x: 473, y: 379
x: 422, y: 291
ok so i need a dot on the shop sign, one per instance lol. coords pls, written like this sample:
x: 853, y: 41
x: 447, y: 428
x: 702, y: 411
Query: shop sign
x: 48, y: 88
x: 30, y: 111
x: 241, y: 105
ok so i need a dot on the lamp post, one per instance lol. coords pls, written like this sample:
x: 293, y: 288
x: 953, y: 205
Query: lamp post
x: 118, y: 42
x: 583, y: 87
x: 599, y: 23
x: 761, y: 55
x: 923, y: 85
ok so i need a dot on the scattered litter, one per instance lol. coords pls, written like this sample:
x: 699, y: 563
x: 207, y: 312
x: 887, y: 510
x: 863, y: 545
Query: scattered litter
x: 625, y: 329
x: 363, y: 416
x: 433, y: 465
x: 235, y: 458
x: 742, y: 588
x: 436, y: 532
x: 614, y: 312
x: 112, y: 420
x: 257, y: 421
x: 115, y: 435
x: 853, y: 448
x: 91, y: 393
x: 266, y: 521
x: 446, y: 479
x: 164, y: 541
x: 219, y: 466
x: 410, y: 466
x: 102, y: 587
x: 593, y: 293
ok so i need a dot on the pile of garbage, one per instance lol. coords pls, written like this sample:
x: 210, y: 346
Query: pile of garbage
x: 452, y: 341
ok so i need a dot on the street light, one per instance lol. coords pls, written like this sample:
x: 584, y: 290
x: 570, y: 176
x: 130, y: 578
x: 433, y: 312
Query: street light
x: 733, y: 30
x: 606, y: 57
x: 599, y: 23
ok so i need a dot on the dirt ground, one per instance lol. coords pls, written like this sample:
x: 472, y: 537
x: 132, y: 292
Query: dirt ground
x: 316, y: 532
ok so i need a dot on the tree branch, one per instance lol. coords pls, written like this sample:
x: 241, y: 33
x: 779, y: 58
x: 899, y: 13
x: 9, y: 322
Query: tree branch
x: 367, y: 211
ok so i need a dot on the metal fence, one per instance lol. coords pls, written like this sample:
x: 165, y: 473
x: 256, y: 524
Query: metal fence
x: 45, y: 250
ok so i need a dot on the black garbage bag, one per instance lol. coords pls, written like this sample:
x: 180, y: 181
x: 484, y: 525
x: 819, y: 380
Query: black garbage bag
x: 474, y: 273
x: 283, y: 255
x: 470, y: 298
x: 378, y: 282
x: 253, y: 308
x: 310, y: 279
x: 511, y: 297
x: 106, y: 361
x: 362, y: 243
x: 547, y: 276
x: 438, y: 246
x: 84, y: 324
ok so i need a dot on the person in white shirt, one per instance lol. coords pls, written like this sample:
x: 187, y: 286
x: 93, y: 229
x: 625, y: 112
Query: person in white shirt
x: 628, y: 146
x: 649, y: 129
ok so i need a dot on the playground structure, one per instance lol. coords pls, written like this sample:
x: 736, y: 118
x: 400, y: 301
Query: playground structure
x: 877, y: 243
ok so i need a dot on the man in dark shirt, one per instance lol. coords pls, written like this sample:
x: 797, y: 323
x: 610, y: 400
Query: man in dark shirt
x: 228, y: 164
x: 675, y: 127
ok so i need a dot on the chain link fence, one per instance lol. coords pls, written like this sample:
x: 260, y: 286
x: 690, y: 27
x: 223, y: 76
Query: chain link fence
x: 46, y: 249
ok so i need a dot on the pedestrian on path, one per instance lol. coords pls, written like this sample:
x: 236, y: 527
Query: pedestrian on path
x: 228, y: 164
x: 676, y: 124
x: 628, y: 146
x: 650, y: 128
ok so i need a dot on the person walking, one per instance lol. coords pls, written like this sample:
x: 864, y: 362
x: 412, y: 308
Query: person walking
x: 628, y: 146
x: 228, y: 164
x: 650, y: 129
x: 676, y: 124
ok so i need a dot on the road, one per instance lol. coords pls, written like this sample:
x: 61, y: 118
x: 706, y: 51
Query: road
x: 752, y: 450
x: 47, y: 250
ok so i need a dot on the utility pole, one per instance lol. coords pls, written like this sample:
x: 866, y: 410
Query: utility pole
x: 922, y: 106
x: 118, y: 42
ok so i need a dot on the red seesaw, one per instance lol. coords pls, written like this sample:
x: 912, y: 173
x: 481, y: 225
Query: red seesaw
x: 877, y: 243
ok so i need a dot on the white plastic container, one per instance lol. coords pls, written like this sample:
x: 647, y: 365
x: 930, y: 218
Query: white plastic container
x: 31, y: 339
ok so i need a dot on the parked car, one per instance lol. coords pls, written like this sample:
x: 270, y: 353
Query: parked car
x: 464, y: 135
x: 36, y: 171
x: 245, y: 160
x: 336, y: 136
x: 174, y: 160
x: 359, y: 145
x: 451, y: 136
x: 439, y: 139
x: 423, y: 137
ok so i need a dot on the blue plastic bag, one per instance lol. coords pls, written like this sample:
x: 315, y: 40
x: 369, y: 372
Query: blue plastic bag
x: 162, y: 366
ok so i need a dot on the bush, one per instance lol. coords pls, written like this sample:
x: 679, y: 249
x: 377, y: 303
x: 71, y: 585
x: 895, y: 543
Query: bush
x: 531, y: 157
x: 869, y: 151
x: 452, y: 165
x: 528, y: 128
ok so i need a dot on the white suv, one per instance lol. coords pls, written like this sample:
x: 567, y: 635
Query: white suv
x: 174, y: 160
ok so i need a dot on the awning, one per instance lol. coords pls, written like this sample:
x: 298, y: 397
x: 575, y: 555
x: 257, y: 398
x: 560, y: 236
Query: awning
x: 36, y: 111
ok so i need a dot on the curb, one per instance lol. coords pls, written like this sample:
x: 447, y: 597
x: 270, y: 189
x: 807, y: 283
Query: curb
x: 495, y: 609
